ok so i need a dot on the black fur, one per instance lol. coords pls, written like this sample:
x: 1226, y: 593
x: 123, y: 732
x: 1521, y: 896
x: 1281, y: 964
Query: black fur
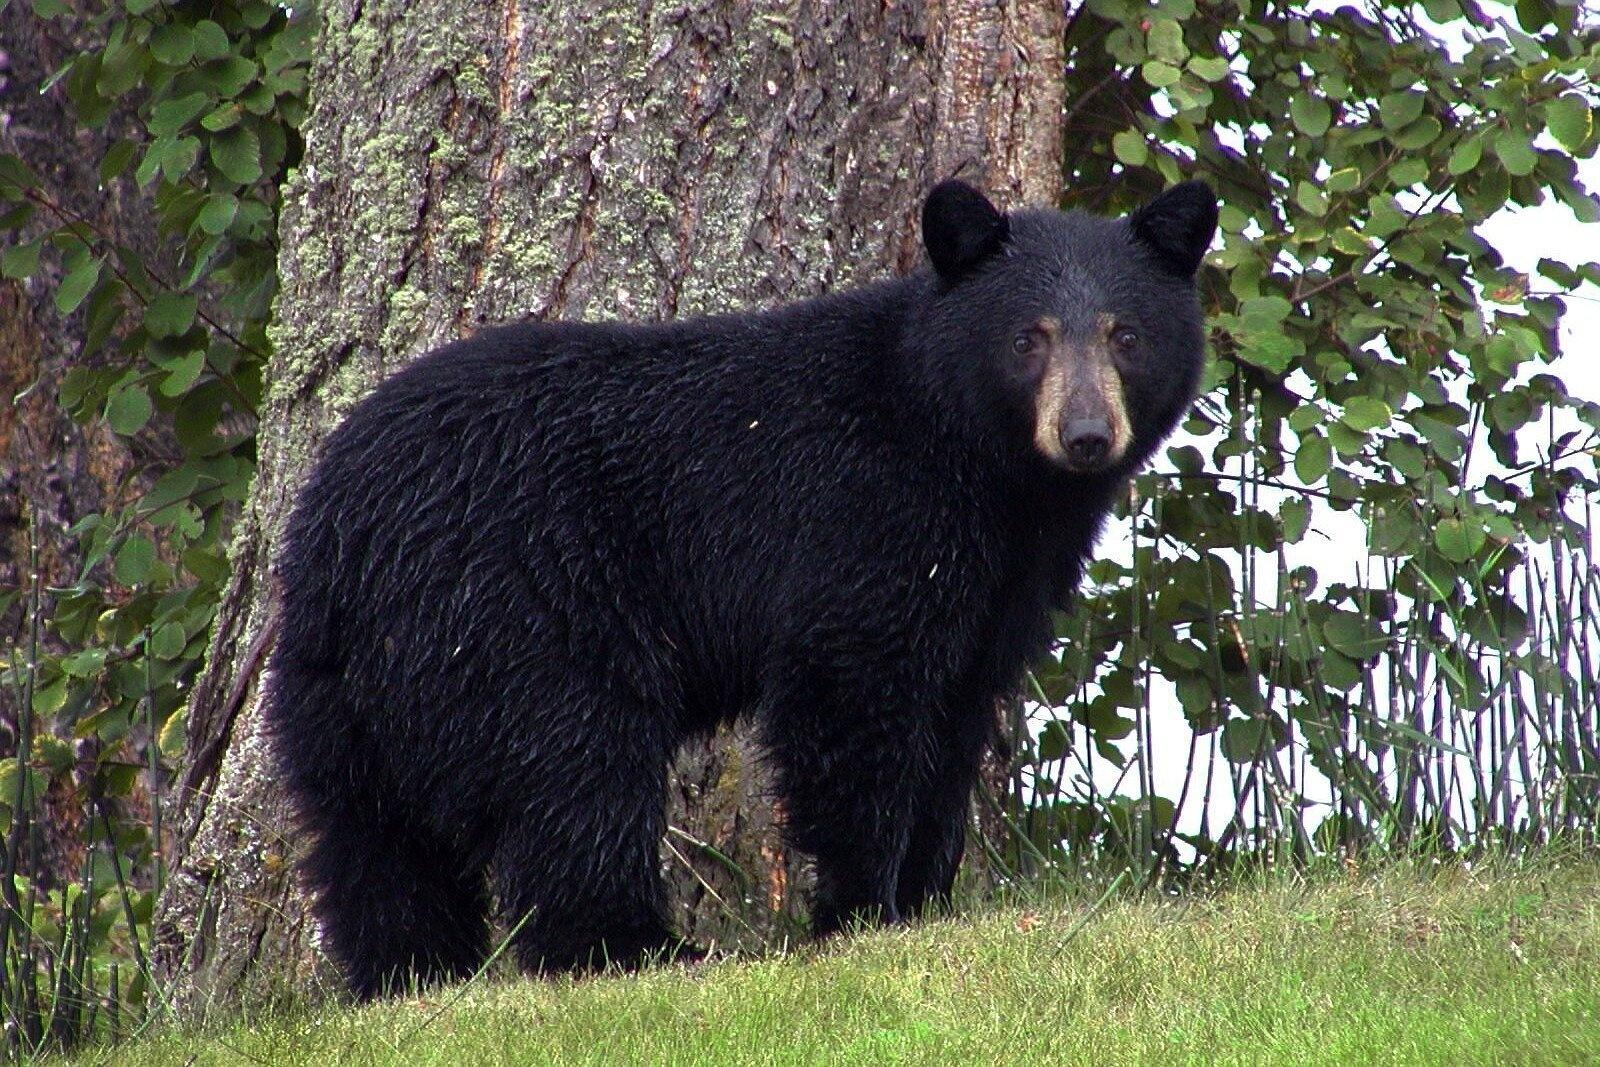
x: 960, y: 229
x: 532, y: 563
x: 1178, y: 224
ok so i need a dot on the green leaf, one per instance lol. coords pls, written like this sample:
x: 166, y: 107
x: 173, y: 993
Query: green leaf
x: 218, y: 213
x: 121, y: 68
x: 169, y: 314
x: 1357, y: 636
x: 1385, y: 216
x: 1311, y: 114
x: 14, y: 172
x: 1347, y: 443
x: 229, y: 76
x: 1532, y: 15
x: 128, y: 410
x: 1446, y: 440
x: 1265, y: 312
x: 1466, y: 156
x: 1569, y: 120
x: 1130, y: 148
x: 1419, y: 134
x: 237, y: 154
x: 173, y: 44
x: 1245, y: 739
x: 1165, y: 42
x: 75, y: 387
x: 1160, y: 75
x: 183, y: 373
x: 1501, y: 354
x: 84, y: 664
x: 116, y: 160
x: 1305, y: 417
x: 1271, y: 350
x: 1398, y: 110
x: 1343, y: 180
x: 224, y: 117
x: 49, y: 699
x: 1459, y: 540
x: 16, y: 217
x: 140, y: 7
x: 172, y: 734
x: 210, y: 40
x: 258, y: 99
x: 1365, y: 413
x: 1410, y: 171
x: 1313, y: 459
x: 20, y: 261
x: 150, y: 165
x: 167, y: 641
x: 1295, y: 517
x: 1392, y: 531
x: 1055, y: 740
x: 1208, y: 68
x: 134, y: 560
x: 1515, y: 152
x: 170, y: 116
x: 1405, y: 457
x: 76, y: 285
x: 206, y: 565
x: 1310, y: 199
x: 179, y: 157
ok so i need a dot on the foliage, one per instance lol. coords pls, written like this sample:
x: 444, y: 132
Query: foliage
x: 1380, y: 404
x: 172, y: 359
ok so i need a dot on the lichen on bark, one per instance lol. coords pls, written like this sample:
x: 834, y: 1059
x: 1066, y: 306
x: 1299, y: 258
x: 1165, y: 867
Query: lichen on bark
x: 467, y: 164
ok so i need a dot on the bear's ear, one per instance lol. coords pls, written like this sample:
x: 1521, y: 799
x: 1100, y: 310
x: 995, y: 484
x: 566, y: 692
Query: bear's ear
x: 1177, y: 226
x: 961, y: 229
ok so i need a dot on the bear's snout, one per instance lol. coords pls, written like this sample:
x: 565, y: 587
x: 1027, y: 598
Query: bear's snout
x: 1080, y: 413
x: 1086, y: 443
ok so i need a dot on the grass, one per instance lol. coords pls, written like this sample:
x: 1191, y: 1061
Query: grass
x: 1410, y: 964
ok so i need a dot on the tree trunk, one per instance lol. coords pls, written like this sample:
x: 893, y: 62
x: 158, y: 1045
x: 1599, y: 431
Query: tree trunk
x: 467, y: 164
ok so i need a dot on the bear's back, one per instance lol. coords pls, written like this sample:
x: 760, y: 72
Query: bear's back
x: 552, y: 472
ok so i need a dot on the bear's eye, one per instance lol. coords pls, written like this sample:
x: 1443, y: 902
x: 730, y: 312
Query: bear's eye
x: 1124, y: 338
x: 1029, y: 354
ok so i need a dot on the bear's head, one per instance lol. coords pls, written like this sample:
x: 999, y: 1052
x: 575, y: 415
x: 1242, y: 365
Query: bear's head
x: 1076, y: 338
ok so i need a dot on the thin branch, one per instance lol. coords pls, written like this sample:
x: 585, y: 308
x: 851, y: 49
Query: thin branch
x: 67, y: 214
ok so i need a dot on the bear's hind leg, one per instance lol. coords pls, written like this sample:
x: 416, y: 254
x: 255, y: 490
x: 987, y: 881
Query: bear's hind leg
x: 395, y: 906
x: 577, y: 869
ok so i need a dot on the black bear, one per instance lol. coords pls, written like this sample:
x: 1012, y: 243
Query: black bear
x: 533, y: 562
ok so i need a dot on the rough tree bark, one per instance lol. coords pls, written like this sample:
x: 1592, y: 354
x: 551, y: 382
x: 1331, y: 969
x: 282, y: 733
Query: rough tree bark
x: 468, y: 163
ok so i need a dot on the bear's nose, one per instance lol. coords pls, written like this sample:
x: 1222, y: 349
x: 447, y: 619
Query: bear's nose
x: 1086, y: 443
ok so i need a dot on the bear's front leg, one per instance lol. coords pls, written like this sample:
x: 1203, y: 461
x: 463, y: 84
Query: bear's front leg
x: 928, y: 873
x: 850, y: 760
x: 939, y: 834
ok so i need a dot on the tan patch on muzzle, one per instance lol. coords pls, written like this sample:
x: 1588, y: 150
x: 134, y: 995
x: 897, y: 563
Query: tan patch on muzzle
x: 1080, y: 382
x: 1111, y: 394
x: 1048, y: 402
